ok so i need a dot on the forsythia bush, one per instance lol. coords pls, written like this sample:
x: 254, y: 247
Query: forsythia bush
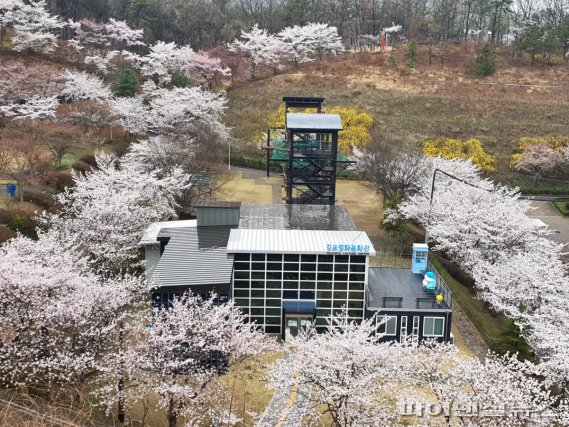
x: 356, y: 125
x: 449, y: 148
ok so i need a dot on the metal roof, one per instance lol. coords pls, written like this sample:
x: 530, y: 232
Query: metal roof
x: 322, y: 122
x: 194, y: 256
x: 301, y: 217
x: 151, y: 233
x: 217, y: 204
x: 299, y: 241
x: 398, y: 283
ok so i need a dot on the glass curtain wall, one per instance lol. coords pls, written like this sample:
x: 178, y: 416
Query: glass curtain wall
x: 262, y: 281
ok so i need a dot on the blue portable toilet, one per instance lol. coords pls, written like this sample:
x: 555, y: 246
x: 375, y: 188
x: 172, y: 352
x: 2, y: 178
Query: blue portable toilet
x: 11, y: 189
x: 420, y: 258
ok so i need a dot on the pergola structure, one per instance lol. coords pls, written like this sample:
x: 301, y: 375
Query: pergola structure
x: 307, y: 148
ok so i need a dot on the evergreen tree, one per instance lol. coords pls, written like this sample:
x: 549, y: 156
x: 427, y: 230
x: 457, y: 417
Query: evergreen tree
x: 411, y: 55
x: 127, y: 86
x: 485, y: 62
x: 179, y: 80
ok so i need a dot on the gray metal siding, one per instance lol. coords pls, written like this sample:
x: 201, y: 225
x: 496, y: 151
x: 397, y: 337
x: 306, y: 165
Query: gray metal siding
x: 151, y: 258
x: 217, y: 216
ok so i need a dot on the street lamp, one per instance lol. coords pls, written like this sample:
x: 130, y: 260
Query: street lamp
x: 229, y: 155
x: 433, y: 193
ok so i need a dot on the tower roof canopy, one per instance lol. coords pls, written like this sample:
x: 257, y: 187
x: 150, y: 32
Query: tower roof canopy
x: 313, y: 122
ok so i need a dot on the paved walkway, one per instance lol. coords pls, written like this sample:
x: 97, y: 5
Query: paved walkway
x: 549, y: 214
x: 466, y: 337
x: 277, y: 411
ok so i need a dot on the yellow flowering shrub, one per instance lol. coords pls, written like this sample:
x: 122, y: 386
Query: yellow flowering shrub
x: 450, y: 148
x: 555, y: 142
x: 356, y: 123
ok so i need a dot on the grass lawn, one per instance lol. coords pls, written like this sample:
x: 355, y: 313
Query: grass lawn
x: 562, y: 207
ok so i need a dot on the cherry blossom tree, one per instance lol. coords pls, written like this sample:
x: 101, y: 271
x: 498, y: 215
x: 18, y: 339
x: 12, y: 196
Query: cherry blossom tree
x: 183, y: 350
x: 311, y: 38
x: 339, y: 373
x: 103, y: 63
x: 166, y: 59
x: 32, y: 23
x: 59, y: 318
x: 538, y: 159
x: 492, y: 237
x: 495, y: 391
x: 34, y: 108
x: 109, y: 208
x: 80, y: 86
x: 112, y: 35
x: 348, y: 376
x: 119, y: 34
x: 263, y: 48
x: 171, y: 111
x: 325, y: 39
x: 19, y: 81
x: 301, y: 42
x: 490, y: 220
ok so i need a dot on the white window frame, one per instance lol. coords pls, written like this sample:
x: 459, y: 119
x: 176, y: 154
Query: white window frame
x: 403, y: 329
x: 387, y: 318
x: 434, y: 320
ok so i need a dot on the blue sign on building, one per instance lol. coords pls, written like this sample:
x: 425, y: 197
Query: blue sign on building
x: 347, y: 249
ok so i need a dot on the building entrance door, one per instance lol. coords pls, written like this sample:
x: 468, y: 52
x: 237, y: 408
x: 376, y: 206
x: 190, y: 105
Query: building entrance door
x: 295, y: 322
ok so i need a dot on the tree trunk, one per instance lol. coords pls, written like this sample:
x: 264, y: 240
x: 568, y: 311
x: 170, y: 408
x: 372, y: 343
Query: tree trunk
x: 20, y: 185
x: 172, y: 417
x: 121, y: 404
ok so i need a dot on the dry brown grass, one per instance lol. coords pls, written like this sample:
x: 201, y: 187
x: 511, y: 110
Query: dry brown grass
x: 428, y: 103
x: 237, y: 188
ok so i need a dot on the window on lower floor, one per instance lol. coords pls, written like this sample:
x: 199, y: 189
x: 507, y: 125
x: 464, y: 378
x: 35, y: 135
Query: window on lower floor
x: 387, y: 325
x: 433, y: 326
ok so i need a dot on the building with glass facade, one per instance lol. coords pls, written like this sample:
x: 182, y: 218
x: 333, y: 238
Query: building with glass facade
x: 285, y: 266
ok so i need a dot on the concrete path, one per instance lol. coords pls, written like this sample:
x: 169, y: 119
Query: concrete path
x: 278, y: 409
x: 549, y: 214
x: 466, y: 336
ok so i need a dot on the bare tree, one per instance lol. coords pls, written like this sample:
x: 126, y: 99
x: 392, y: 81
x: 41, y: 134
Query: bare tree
x: 6, y: 155
x: 395, y: 174
x: 59, y: 145
x: 29, y: 161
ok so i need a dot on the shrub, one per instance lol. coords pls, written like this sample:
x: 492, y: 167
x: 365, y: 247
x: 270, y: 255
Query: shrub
x: 6, y: 234
x: 485, y: 64
x: 472, y: 149
x: 127, y: 86
x: 356, y: 123
x: 24, y: 225
x: 89, y: 159
x: 44, y: 201
x: 412, y: 52
x: 59, y: 180
x: 179, y: 80
x: 550, y: 59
